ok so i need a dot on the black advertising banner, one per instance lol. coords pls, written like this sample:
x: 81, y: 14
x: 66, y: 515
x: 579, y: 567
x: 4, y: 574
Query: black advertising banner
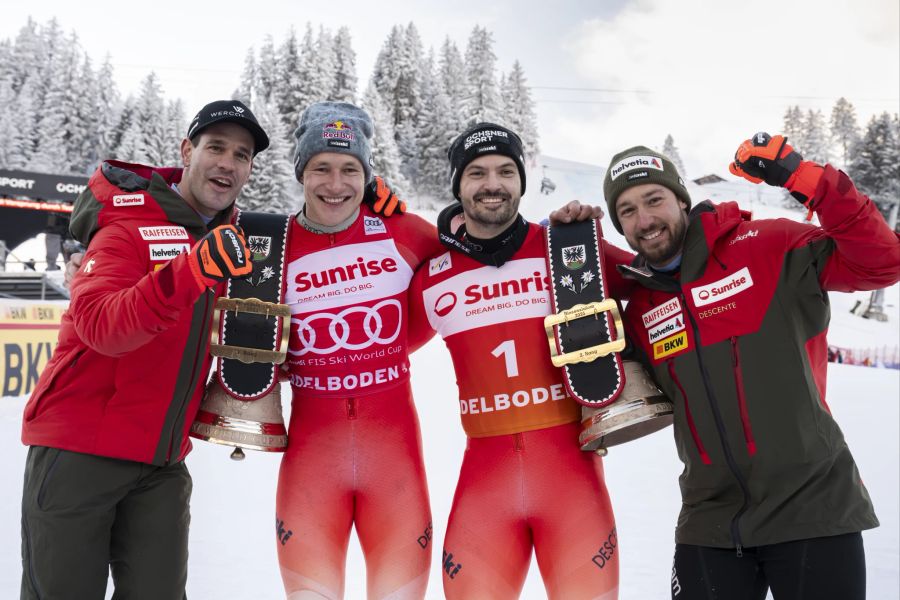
x: 40, y: 186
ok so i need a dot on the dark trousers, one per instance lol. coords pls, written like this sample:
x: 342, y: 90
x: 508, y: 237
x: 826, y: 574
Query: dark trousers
x: 84, y: 516
x: 826, y: 568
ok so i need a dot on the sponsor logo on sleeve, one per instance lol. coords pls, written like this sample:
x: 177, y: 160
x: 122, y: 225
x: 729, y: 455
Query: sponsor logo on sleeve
x: 167, y: 251
x: 658, y: 313
x: 122, y: 200
x: 373, y: 225
x: 635, y: 162
x: 726, y: 287
x: 166, y: 232
x: 439, y: 264
x: 744, y: 236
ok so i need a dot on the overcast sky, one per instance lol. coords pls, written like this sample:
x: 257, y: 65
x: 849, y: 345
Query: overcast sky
x: 606, y: 74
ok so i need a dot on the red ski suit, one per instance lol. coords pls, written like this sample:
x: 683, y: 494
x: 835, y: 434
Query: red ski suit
x: 524, y: 482
x: 355, y: 452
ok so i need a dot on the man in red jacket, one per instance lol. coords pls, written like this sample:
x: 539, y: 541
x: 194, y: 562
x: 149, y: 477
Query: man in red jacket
x: 106, y: 488
x: 730, y: 315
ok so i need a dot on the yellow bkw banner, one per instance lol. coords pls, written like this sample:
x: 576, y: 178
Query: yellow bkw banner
x: 28, y: 332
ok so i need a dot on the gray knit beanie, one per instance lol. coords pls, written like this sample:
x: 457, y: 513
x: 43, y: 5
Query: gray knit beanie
x: 334, y: 127
x: 637, y: 166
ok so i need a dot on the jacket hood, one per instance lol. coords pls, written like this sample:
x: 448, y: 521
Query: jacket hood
x: 718, y: 220
x: 120, y: 191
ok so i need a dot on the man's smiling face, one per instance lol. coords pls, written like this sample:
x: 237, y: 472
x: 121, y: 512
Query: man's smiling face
x: 653, y: 220
x: 333, y: 186
x: 217, y: 164
x: 490, y: 189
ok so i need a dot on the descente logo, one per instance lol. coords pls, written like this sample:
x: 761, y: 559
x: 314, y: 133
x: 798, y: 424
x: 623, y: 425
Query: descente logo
x: 635, y: 162
x: 749, y: 234
x: 723, y: 288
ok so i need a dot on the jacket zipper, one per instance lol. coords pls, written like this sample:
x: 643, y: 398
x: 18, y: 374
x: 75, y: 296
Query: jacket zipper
x: 742, y: 399
x: 190, y: 392
x: 687, y: 414
x: 720, y: 426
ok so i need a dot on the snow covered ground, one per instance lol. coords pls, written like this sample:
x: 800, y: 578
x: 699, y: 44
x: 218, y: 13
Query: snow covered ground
x: 232, y: 533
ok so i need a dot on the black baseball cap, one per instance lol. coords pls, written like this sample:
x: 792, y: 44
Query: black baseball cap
x: 229, y: 111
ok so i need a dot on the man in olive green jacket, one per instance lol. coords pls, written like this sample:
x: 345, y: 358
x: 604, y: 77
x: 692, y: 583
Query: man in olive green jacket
x: 730, y: 316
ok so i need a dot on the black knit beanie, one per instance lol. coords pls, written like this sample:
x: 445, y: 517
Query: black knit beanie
x: 481, y: 139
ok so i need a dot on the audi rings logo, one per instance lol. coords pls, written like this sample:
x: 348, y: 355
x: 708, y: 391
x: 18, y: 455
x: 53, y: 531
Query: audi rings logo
x: 354, y: 328
x: 445, y: 304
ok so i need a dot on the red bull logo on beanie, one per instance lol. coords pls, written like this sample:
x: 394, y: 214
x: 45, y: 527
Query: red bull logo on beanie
x: 635, y: 162
x: 338, y: 130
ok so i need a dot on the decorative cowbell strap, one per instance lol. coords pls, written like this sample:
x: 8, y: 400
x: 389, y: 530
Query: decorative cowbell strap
x: 585, y: 332
x: 254, y: 323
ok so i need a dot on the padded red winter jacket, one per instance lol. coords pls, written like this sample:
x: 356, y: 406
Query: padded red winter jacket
x: 127, y: 376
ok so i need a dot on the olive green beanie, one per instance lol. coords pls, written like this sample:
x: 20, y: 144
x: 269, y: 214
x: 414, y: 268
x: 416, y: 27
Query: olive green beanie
x: 637, y: 166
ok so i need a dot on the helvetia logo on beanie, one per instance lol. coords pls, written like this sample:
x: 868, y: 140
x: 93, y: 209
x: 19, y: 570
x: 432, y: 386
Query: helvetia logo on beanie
x: 635, y: 162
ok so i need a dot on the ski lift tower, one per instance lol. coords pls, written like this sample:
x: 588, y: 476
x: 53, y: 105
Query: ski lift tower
x: 547, y: 185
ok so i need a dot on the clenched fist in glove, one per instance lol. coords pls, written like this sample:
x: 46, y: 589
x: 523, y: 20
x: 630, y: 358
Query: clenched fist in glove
x: 773, y: 160
x: 382, y: 200
x: 220, y: 254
